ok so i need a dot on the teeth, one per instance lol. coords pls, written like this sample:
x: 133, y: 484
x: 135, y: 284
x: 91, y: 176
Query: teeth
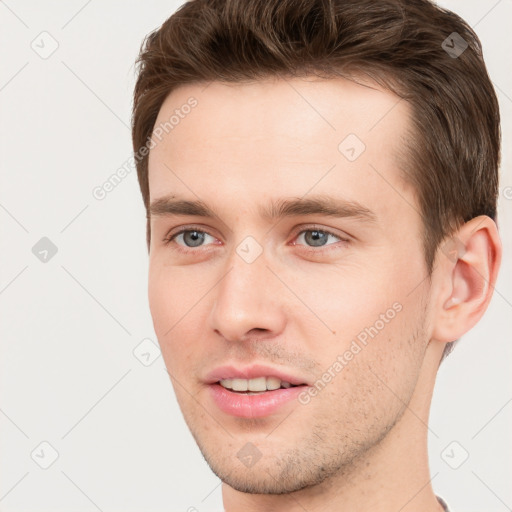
x: 273, y: 383
x: 258, y: 384
x: 227, y: 383
x: 239, y: 385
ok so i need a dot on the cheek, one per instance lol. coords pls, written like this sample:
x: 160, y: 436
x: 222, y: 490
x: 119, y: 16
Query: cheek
x: 376, y: 379
x: 164, y: 307
x: 161, y: 298
x: 378, y: 324
x: 347, y: 298
x: 171, y: 294
x: 176, y: 309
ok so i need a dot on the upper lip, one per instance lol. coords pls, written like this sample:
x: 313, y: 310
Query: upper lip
x: 233, y: 371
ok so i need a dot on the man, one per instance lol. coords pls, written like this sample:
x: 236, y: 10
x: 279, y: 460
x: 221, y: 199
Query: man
x: 320, y: 179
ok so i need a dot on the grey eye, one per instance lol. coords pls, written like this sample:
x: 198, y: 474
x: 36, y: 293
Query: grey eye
x: 192, y: 237
x: 316, y: 237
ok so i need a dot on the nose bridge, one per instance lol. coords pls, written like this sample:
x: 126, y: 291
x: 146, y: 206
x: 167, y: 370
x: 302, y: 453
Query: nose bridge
x: 245, y: 298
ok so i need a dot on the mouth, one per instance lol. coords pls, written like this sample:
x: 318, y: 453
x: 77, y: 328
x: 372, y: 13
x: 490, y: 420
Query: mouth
x: 254, y: 404
x: 255, y: 392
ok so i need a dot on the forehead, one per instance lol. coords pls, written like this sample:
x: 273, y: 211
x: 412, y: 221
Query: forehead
x: 282, y: 135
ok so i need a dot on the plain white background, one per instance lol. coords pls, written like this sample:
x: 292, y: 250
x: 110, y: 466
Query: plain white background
x: 70, y: 325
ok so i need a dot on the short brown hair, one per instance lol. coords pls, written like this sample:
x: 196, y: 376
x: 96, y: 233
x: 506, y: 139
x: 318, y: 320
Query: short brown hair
x: 404, y: 45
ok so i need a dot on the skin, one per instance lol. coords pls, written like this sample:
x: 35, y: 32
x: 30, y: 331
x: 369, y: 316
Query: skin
x: 361, y: 443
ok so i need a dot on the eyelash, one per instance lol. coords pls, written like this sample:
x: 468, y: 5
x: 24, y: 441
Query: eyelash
x: 168, y: 239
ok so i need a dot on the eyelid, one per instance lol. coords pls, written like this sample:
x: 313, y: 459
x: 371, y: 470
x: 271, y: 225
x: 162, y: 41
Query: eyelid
x: 315, y: 227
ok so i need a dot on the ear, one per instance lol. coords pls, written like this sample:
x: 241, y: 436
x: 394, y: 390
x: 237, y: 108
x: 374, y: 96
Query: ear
x: 468, y: 267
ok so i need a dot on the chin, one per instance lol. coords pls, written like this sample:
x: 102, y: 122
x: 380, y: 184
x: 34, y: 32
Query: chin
x: 269, y: 475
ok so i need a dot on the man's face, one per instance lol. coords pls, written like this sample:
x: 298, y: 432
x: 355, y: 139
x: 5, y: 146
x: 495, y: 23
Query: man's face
x: 295, y: 293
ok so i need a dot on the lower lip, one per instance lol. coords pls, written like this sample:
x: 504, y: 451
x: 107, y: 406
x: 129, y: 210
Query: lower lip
x: 252, y: 406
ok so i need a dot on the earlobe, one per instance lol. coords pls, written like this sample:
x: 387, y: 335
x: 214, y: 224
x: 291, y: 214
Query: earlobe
x: 468, y: 275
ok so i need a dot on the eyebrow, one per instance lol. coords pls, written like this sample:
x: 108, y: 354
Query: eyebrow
x: 277, y: 209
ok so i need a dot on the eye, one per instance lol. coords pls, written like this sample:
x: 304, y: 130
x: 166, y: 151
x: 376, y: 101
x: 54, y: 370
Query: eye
x: 315, y: 237
x: 188, y: 238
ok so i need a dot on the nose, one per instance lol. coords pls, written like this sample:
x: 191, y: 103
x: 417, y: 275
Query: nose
x: 249, y: 301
